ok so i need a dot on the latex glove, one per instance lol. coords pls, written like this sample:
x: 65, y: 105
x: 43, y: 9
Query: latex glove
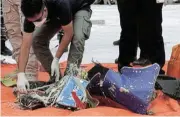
x: 22, y: 82
x: 55, y: 68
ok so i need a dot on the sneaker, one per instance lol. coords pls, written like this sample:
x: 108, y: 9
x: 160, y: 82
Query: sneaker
x: 115, y: 43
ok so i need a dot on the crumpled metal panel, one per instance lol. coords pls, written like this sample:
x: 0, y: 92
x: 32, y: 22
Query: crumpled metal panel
x: 65, y: 98
x: 133, y: 88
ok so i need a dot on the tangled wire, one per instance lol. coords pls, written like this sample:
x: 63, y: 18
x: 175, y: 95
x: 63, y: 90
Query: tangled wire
x: 42, y: 94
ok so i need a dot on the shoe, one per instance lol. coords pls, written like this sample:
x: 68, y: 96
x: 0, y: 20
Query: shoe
x: 142, y: 62
x: 4, y: 50
x: 145, y: 62
x: 115, y: 43
x: 116, y: 61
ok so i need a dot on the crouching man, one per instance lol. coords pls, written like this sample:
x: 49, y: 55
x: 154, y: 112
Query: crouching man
x: 73, y: 16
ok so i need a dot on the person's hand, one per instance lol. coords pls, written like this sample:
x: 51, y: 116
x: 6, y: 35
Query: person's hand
x: 22, y: 82
x: 55, y: 68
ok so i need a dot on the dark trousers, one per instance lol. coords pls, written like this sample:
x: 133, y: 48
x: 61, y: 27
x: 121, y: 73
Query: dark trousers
x: 141, y: 26
x: 3, y: 31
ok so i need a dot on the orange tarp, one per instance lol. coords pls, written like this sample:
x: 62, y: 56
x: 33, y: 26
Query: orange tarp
x: 162, y: 105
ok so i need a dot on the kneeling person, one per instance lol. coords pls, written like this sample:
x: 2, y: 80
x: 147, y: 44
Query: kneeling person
x: 73, y: 16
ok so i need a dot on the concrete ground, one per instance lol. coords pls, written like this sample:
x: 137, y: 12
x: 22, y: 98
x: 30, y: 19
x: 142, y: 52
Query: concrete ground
x: 106, y: 29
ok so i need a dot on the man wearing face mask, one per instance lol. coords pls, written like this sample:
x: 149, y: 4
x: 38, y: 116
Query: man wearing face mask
x: 73, y: 16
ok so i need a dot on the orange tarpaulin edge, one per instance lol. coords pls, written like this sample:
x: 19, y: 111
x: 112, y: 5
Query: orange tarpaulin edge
x: 162, y: 105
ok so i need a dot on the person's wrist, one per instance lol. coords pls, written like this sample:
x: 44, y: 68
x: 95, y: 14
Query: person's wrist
x: 56, y: 58
x: 20, y: 74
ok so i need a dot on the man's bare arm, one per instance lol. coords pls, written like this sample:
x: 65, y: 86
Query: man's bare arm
x: 24, y: 51
x: 68, y: 34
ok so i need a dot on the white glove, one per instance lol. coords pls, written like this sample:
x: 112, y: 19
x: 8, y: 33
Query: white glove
x: 22, y: 82
x: 55, y: 68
